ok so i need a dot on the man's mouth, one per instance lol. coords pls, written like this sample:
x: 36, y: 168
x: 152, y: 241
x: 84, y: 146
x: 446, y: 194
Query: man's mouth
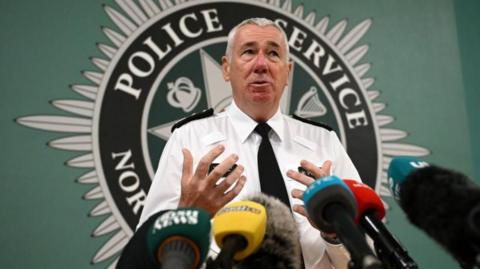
x: 260, y: 83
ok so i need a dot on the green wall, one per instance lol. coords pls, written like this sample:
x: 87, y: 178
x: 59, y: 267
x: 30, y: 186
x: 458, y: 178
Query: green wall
x: 424, y: 57
x: 469, y: 40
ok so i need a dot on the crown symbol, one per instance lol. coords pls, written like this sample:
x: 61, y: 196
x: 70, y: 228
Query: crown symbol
x: 183, y: 94
x: 310, y: 105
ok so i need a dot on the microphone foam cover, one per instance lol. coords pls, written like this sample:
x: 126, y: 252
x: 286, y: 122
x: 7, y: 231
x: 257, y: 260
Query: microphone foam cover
x: 439, y: 201
x: 280, y: 248
x: 324, y: 192
x: 190, y: 223
x: 474, y: 225
x: 245, y: 218
x: 367, y: 199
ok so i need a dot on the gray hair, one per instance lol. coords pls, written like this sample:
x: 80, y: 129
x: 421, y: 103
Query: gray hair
x: 262, y: 22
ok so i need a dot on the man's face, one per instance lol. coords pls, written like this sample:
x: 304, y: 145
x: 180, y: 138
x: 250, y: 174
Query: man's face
x: 258, y: 70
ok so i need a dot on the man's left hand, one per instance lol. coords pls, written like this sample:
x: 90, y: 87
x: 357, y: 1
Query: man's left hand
x: 317, y: 172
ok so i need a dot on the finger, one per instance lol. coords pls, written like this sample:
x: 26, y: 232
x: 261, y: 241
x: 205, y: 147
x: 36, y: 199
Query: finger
x: 187, y: 165
x: 315, y: 170
x: 304, y: 179
x: 236, y: 190
x: 296, y: 193
x: 231, y: 179
x: 207, y: 159
x: 300, y: 209
x: 222, y: 168
x: 326, y: 166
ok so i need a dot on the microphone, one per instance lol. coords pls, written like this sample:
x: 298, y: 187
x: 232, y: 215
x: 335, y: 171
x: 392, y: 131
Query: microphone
x: 474, y: 223
x: 443, y: 203
x: 399, y: 169
x: 280, y: 248
x: 370, y: 213
x: 331, y: 207
x: 238, y: 229
x: 169, y: 239
x: 180, y: 238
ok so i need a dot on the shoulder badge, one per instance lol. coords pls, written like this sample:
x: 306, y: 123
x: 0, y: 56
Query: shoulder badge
x: 195, y: 116
x: 319, y: 124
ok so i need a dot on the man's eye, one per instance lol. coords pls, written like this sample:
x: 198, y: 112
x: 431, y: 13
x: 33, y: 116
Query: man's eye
x: 249, y: 51
x: 274, y: 53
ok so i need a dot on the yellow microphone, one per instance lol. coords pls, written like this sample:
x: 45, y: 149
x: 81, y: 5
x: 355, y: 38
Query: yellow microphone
x: 238, y: 229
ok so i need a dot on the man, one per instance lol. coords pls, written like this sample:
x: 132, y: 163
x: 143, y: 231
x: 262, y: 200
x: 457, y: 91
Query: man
x: 257, y: 66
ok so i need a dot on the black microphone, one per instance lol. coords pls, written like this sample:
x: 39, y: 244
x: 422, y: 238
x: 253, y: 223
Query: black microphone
x: 370, y: 214
x: 473, y: 222
x: 331, y: 207
x: 443, y: 203
x: 173, y: 239
x: 280, y: 248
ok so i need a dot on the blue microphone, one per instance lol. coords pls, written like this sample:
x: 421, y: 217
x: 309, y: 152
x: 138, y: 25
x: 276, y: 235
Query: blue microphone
x: 331, y: 206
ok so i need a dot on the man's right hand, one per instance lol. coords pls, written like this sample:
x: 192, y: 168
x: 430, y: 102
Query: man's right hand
x: 201, y: 189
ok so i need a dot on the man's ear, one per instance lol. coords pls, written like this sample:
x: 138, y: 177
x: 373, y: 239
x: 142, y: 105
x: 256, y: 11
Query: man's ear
x: 225, y: 68
x: 289, y: 71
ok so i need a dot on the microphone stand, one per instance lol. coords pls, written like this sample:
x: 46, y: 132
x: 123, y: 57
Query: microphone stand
x: 392, y: 254
x: 362, y: 255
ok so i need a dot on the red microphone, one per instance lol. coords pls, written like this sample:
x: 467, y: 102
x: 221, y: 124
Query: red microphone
x: 370, y: 214
x: 367, y: 199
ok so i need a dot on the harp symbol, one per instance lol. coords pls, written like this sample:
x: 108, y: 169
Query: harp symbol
x: 310, y: 105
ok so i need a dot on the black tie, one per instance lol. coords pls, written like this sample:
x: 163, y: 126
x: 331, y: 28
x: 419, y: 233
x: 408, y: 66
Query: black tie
x: 271, y: 180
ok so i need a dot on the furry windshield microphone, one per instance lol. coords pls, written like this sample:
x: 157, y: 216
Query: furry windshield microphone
x: 440, y: 201
x: 280, y: 248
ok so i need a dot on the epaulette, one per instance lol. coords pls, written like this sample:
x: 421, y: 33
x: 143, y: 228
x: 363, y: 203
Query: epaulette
x: 195, y: 116
x: 319, y: 124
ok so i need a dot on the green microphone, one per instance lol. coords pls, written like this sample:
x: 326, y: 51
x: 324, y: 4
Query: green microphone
x: 398, y: 171
x: 179, y: 239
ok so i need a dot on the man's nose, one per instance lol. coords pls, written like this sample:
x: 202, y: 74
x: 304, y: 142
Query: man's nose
x: 261, y: 63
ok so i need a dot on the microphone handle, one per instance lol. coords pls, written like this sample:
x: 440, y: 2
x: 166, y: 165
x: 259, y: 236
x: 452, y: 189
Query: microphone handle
x: 362, y: 255
x: 389, y: 249
x: 231, y: 245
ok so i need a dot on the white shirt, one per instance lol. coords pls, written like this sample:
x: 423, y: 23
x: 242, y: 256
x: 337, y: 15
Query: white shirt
x: 292, y: 141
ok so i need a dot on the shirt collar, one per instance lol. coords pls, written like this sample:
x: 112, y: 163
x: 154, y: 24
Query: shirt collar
x: 244, y: 125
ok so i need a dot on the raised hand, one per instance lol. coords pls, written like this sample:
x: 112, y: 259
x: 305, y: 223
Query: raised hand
x: 202, y: 189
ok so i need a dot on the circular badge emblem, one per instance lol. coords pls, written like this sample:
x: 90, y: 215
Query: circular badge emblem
x: 164, y: 64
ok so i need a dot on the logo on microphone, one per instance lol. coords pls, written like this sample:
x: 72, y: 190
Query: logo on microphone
x: 162, y: 63
x: 419, y: 164
x: 240, y: 208
x: 177, y: 217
